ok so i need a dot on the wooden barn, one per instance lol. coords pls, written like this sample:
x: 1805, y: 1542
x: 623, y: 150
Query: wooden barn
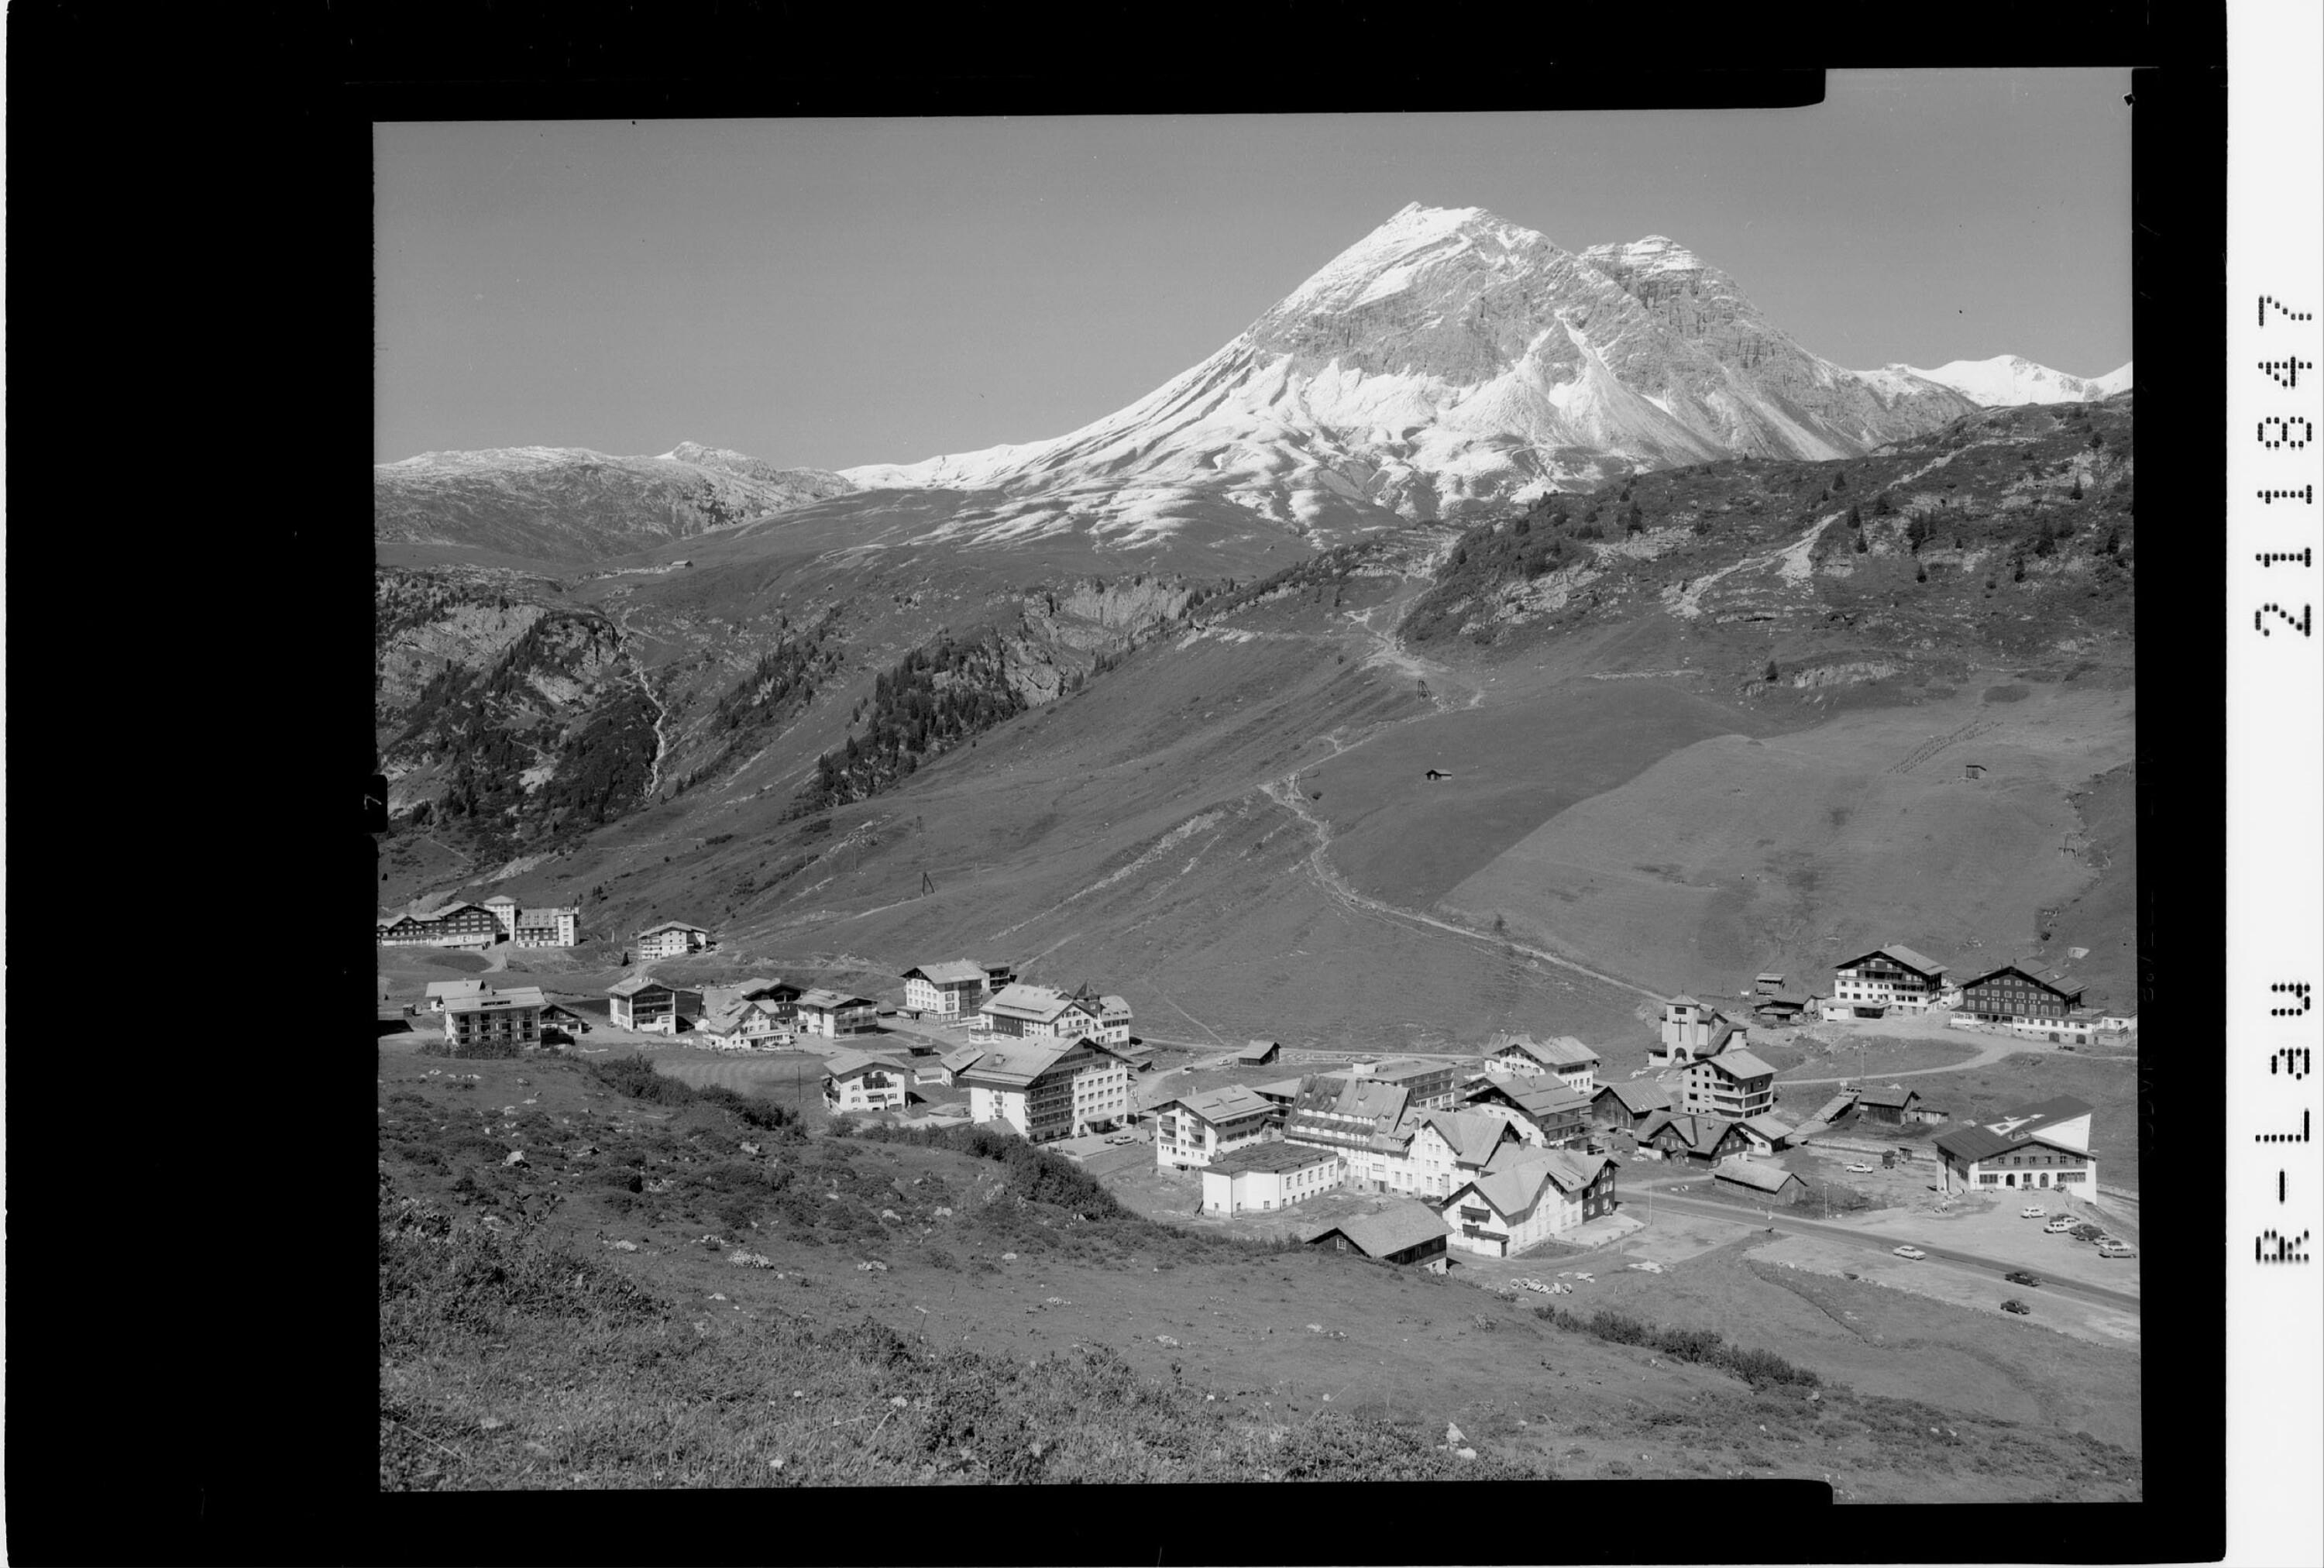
x: 1402, y: 1233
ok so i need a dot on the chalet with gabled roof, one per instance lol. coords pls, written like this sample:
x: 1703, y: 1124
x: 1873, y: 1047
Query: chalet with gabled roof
x: 2029, y: 998
x: 1895, y: 976
x: 1530, y: 1199
x: 644, y: 1005
x: 952, y: 990
x: 857, y: 1081
x: 1625, y: 1107
x: 1429, y: 1085
x: 1193, y: 1129
x: 1891, y: 1105
x: 1734, y: 1084
x: 475, y: 1023
x: 1763, y: 1182
x: 1038, y: 1013
x: 1047, y: 1088
x: 671, y: 939
x: 2043, y: 1144
x: 1564, y: 1059
x: 1545, y: 1112
x: 1702, y: 1140
x: 1402, y: 1233
x: 834, y: 1014
x: 733, y: 1025
x: 456, y: 924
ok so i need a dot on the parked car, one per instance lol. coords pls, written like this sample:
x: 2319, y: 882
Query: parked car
x: 2019, y: 1277
x: 2059, y: 1226
x: 1861, y: 1170
x: 2032, y: 1212
x: 2117, y: 1249
x: 1910, y: 1252
x: 2016, y: 1305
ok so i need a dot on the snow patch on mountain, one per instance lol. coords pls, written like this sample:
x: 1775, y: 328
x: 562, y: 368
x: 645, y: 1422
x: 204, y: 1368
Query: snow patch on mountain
x: 1447, y: 358
x: 2008, y: 379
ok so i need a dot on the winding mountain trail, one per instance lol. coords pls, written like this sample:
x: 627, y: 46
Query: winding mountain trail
x: 1790, y: 560
x: 1285, y: 793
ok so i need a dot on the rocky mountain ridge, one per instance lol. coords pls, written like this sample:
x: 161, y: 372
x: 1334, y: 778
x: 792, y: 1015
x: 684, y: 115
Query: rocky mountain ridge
x: 1448, y: 359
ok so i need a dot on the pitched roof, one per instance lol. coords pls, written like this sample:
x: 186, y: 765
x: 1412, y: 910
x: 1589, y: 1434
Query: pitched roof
x: 1015, y: 1064
x: 1392, y: 1230
x: 1739, y: 1062
x: 848, y: 1063
x: 1272, y: 1156
x: 1538, y: 1100
x: 498, y: 898
x: 960, y: 1057
x: 951, y: 972
x: 832, y: 1001
x: 1771, y: 974
x: 729, y: 1014
x: 1568, y: 1052
x: 1637, y: 1098
x: 1473, y: 1136
x: 1977, y: 1141
x: 674, y: 926
x: 469, y: 987
x: 1231, y: 1103
x: 1281, y: 1089
x: 636, y: 983
x: 2034, y: 969
x: 1257, y: 1050
x: 1919, y: 962
x: 1369, y: 1098
x: 1562, y: 1052
x: 1682, y: 1001
x: 1767, y: 1126
x: 1513, y: 1189
x: 1042, y: 1003
x: 1697, y: 1132
x: 1766, y: 1178
x: 1892, y: 1096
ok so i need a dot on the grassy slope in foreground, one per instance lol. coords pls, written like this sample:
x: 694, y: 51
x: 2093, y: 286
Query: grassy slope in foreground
x: 538, y: 1358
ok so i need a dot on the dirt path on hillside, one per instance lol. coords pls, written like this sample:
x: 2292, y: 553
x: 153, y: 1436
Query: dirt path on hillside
x: 1993, y: 1048
x: 1450, y: 689
x: 1285, y: 792
x: 1790, y: 560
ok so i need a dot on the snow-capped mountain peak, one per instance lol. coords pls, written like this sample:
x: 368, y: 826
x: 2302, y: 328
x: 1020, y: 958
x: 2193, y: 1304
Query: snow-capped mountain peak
x: 1448, y: 356
x: 2009, y: 379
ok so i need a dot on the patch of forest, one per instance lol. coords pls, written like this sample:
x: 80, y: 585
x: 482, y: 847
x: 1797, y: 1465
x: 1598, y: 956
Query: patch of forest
x: 935, y: 698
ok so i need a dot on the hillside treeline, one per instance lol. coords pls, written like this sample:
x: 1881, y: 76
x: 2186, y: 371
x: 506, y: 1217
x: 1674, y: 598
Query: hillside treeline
x: 779, y: 687
x: 936, y: 697
x: 492, y: 727
x: 1553, y: 536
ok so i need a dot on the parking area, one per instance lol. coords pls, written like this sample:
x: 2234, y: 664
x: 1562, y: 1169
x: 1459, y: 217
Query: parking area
x: 2095, y: 1321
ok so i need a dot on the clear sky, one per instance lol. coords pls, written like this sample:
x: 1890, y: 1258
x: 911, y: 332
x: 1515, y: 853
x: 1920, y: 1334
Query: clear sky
x: 829, y: 292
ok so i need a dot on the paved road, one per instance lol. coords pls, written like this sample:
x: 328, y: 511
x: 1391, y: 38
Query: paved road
x: 1990, y: 1267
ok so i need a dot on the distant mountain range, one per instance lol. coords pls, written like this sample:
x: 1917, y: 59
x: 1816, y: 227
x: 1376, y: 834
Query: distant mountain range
x: 1448, y: 359
x: 2006, y: 380
x: 568, y: 503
